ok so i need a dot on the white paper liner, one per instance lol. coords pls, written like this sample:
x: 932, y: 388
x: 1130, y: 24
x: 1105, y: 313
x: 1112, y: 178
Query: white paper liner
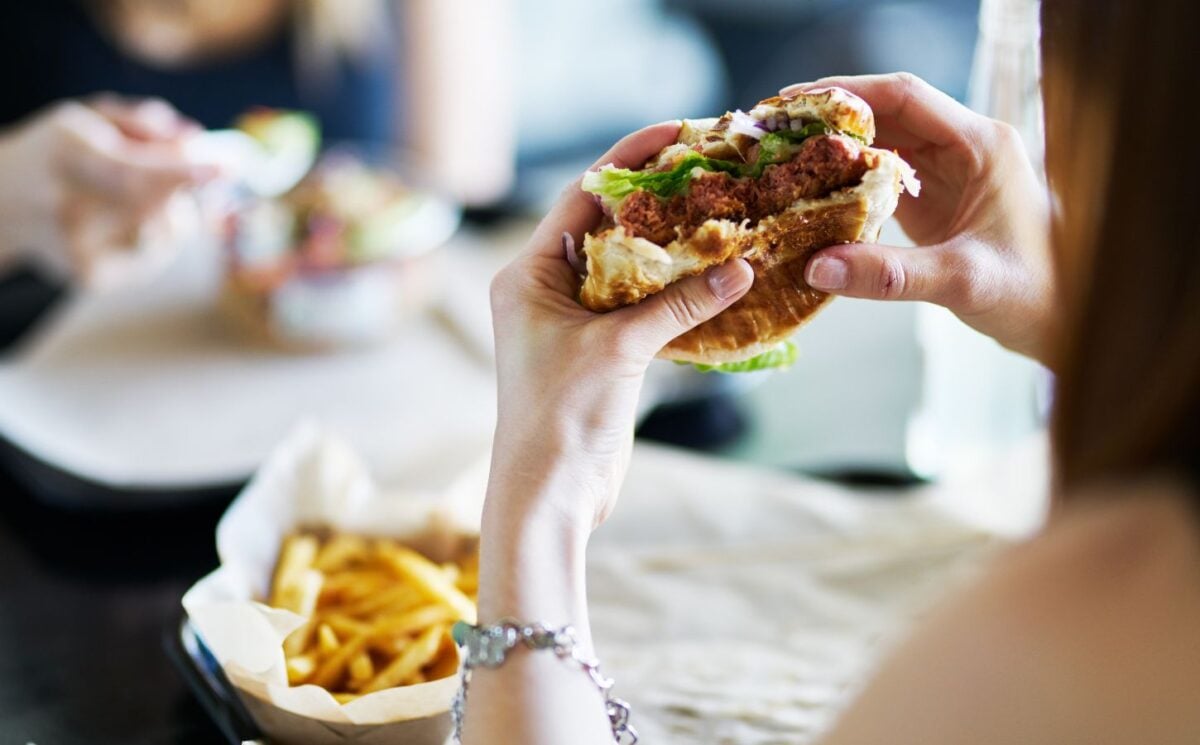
x: 314, y: 479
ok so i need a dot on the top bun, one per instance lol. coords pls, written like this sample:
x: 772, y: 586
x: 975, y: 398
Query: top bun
x: 837, y: 107
x: 724, y: 138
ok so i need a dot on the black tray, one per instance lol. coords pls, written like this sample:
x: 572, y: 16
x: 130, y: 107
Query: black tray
x: 56, y: 487
x: 210, y: 685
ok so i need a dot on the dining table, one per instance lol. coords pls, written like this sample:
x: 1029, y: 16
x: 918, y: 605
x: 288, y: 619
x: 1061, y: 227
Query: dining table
x: 88, y: 600
x: 90, y: 595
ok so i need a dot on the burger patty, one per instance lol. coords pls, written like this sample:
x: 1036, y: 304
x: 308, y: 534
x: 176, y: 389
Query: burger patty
x: 823, y: 165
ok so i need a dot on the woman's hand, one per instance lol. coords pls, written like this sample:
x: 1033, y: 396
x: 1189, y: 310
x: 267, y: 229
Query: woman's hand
x: 80, y: 181
x: 569, y: 381
x: 569, y: 378
x: 979, y: 224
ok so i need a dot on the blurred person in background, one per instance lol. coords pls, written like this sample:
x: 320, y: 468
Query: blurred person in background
x: 103, y: 94
x: 1090, y: 632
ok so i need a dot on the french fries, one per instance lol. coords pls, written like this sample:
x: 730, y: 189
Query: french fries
x: 378, y: 613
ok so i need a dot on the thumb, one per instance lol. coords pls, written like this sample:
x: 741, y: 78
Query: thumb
x: 686, y: 304
x: 147, y: 120
x: 881, y: 272
x: 103, y: 160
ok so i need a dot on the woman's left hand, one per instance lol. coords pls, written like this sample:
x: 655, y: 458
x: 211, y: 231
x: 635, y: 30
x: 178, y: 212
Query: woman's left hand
x: 569, y: 379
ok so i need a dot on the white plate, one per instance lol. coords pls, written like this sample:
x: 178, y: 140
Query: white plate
x: 150, y: 390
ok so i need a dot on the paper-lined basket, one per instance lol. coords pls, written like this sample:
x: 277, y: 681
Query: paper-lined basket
x: 315, y: 480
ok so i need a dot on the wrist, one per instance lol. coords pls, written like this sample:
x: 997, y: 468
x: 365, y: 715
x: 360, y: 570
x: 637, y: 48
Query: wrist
x: 537, y: 500
x: 532, y: 567
x: 537, y: 518
x: 29, y: 196
x: 542, y: 462
x: 10, y: 246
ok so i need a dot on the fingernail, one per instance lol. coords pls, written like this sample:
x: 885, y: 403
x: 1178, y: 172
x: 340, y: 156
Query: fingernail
x: 729, y: 279
x: 827, y: 273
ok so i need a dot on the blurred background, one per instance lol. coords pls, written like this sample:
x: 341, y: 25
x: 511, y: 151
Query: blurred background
x: 222, y: 219
x: 478, y: 114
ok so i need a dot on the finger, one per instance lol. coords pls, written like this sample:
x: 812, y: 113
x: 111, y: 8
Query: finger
x: 908, y: 111
x: 880, y: 272
x: 123, y: 267
x: 107, y: 248
x: 576, y: 211
x: 105, y: 163
x: 653, y: 323
x: 633, y: 150
x: 148, y: 119
x: 139, y: 180
x: 91, y: 229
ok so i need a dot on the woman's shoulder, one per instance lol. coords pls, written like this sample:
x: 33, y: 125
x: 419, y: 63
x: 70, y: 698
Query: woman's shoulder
x: 1110, y: 539
x: 1115, y: 549
x: 1089, y: 632
x: 1103, y: 611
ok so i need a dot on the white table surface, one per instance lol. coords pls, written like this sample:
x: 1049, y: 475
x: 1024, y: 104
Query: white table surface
x: 152, y: 390
x: 737, y: 604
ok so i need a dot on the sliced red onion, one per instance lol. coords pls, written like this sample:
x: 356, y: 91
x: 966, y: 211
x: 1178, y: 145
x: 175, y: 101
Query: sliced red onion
x: 743, y: 124
x: 603, y: 205
x: 573, y: 258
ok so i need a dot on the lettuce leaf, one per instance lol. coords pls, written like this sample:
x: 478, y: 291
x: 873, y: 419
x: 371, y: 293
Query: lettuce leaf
x: 812, y: 130
x: 613, y: 184
x: 782, y: 356
x: 777, y: 147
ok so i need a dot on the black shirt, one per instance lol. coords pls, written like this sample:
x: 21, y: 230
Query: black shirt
x: 52, y: 49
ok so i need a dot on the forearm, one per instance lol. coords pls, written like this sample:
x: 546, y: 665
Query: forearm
x: 532, y: 570
x: 14, y: 231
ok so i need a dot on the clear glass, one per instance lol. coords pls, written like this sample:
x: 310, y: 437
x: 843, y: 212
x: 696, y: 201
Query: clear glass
x: 978, y: 398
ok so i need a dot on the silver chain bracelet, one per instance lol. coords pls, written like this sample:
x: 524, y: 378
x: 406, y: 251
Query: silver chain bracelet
x: 488, y: 646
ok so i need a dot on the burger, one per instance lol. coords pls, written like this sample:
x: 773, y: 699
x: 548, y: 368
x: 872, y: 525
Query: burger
x: 773, y: 185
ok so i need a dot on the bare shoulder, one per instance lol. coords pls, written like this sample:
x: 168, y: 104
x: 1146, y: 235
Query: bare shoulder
x: 1088, y: 633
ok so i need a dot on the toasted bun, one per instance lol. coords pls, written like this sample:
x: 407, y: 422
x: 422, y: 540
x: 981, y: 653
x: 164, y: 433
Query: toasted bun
x: 837, y: 107
x: 624, y: 269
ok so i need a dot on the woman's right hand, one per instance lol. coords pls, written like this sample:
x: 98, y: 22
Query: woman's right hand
x: 80, y: 180
x: 980, y: 224
x: 569, y: 379
x: 568, y: 385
